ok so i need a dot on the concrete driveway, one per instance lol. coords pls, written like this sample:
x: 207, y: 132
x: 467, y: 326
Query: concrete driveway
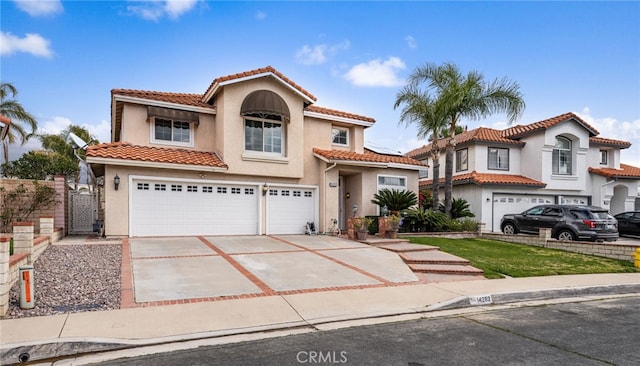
x: 165, y: 270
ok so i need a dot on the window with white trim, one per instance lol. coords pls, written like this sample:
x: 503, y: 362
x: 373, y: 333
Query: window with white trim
x: 392, y: 182
x: 167, y: 131
x: 264, y: 135
x: 498, y: 158
x: 340, y: 136
x: 562, y: 156
x: 604, y: 157
x: 462, y: 162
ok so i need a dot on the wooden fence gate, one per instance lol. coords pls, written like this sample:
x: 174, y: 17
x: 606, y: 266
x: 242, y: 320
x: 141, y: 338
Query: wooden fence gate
x: 83, y: 213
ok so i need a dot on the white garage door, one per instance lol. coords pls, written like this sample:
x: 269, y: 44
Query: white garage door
x: 515, y: 203
x: 166, y: 208
x: 289, y: 209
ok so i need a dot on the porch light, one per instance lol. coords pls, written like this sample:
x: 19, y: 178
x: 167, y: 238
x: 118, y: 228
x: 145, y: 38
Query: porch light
x: 265, y: 189
x: 355, y: 210
x: 385, y: 210
x: 116, y: 182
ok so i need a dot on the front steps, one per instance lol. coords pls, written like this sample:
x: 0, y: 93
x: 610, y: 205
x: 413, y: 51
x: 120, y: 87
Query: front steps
x: 429, y: 261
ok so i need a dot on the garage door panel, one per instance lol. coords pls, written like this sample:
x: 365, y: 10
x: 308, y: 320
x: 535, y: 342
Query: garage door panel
x: 180, y: 209
x: 515, y: 203
x: 289, y: 209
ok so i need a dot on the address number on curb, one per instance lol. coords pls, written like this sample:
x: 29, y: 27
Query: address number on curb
x: 480, y: 300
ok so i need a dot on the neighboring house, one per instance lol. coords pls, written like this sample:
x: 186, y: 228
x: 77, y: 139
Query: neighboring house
x: 251, y: 155
x: 558, y: 160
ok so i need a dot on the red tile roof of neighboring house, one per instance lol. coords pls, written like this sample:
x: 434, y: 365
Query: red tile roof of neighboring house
x: 126, y: 151
x: 523, y: 130
x: 259, y: 71
x: 177, y: 98
x: 480, y: 134
x: 609, y: 142
x: 336, y: 113
x: 625, y: 171
x: 368, y: 157
x: 489, y: 179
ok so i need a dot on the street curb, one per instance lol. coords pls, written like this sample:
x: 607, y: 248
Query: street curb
x: 514, y: 297
x: 71, y: 347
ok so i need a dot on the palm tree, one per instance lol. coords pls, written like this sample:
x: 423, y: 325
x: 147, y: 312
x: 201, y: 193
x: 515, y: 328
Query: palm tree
x: 466, y: 96
x: 427, y: 113
x: 12, y: 109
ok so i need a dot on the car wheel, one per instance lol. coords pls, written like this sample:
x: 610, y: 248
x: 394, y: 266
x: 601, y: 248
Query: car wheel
x: 509, y: 229
x: 566, y: 235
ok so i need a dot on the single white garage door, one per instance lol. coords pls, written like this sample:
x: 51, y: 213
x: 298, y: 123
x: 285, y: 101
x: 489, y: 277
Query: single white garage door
x: 289, y: 209
x: 515, y: 203
x: 167, y: 208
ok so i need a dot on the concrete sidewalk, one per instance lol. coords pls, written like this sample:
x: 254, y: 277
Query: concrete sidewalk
x: 76, y: 333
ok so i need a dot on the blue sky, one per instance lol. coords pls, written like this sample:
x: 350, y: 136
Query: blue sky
x: 584, y: 57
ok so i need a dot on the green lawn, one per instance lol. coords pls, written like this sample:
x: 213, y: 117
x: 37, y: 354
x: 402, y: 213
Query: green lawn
x: 497, y: 258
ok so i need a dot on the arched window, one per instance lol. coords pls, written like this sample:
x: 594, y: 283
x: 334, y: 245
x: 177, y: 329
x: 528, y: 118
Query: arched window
x: 562, y: 156
x: 264, y: 114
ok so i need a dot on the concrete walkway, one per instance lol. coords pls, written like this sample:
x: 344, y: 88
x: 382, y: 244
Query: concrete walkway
x: 71, y: 334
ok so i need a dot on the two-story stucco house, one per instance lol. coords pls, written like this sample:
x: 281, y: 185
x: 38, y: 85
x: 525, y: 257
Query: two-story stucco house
x: 558, y: 160
x: 251, y: 155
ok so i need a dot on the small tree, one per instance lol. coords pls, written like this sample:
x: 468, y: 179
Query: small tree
x: 459, y: 208
x: 395, y: 200
x: 20, y: 203
x: 40, y: 165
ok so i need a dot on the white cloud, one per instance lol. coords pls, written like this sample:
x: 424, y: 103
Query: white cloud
x: 53, y: 126
x: 156, y: 9
x: 31, y: 43
x: 377, y: 73
x: 260, y: 15
x: 39, y: 7
x: 411, y: 42
x: 319, y: 54
x: 610, y: 127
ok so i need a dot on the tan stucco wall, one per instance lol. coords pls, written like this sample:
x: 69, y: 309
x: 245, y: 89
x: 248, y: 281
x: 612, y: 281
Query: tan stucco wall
x: 137, y: 129
x: 239, y: 161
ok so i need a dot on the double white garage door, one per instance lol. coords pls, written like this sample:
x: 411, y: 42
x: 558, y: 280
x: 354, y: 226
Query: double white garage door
x: 174, y: 208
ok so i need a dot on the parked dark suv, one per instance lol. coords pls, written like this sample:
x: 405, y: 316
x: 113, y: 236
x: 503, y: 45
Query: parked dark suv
x: 567, y: 222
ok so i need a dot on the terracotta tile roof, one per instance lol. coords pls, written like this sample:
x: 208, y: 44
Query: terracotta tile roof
x: 368, y: 157
x: 259, y: 71
x: 177, y: 98
x: 609, y: 142
x: 336, y: 113
x: 523, y: 130
x: 625, y: 171
x: 489, y: 179
x: 126, y: 151
x: 480, y: 134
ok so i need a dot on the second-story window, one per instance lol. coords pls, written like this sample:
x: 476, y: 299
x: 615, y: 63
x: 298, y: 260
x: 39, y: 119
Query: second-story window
x: 462, y: 162
x: 498, y: 158
x: 340, y: 136
x: 562, y: 156
x: 166, y: 130
x: 263, y: 135
x: 603, y: 157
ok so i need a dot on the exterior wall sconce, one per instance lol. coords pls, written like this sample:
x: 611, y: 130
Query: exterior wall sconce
x: 265, y: 189
x: 355, y: 210
x: 385, y: 210
x: 348, y: 195
x: 116, y: 182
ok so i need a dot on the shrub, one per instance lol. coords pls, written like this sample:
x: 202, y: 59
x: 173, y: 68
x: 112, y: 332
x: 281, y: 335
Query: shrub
x: 394, y: 199
x: 459, y: 208
x: 21, y: 202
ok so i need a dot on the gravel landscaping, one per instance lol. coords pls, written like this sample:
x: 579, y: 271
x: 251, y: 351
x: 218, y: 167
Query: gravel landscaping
x: 73, y: 278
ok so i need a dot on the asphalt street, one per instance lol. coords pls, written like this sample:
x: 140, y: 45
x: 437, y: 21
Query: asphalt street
x: 598, y: 332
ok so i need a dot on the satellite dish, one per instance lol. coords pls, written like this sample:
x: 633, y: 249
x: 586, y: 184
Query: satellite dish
x: 78, y: 141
